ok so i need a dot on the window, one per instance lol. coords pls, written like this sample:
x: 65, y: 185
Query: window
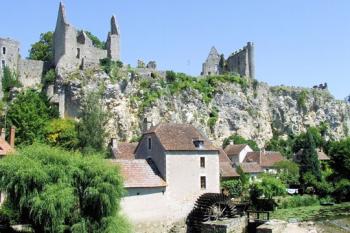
x: 3, y: 50
x: 202, y: 161
x: 3, y: 64
x: 149, y: 144
x: 78, y: 52
x: 203, y: 182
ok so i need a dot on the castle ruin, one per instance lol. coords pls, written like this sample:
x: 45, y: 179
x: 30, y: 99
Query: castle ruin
x: 240, y: 62
x: 73, y: 49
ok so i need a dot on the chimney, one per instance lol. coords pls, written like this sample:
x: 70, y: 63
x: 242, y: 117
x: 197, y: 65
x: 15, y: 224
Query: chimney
x: 146, y: 125
x: 12, y: 136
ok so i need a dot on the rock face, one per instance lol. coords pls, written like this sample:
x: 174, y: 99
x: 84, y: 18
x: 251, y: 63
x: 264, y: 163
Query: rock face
x: 253, y: 111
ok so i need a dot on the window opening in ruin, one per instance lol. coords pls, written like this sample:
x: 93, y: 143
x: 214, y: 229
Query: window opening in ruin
x: 3, y: 50
x: 149, y: 143
x: 78, y: 52
x: 203, y: 182
x: 3, y: 64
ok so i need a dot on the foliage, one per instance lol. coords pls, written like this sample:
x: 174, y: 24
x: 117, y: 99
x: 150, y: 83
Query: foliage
x: 309, y: 162
x: 55, y: 190
x: 63, y: 133
x: 297, y: 201
x: 301, y: 141
x: 170, y: 76
x: 234, y: 187
x: 340, y: 158
x: 301, y: 101
x: 288, y: 172
x: 49, y: 77
x: 9, y: 80
x: 43, y: 49
x: 96, y: 41
x: 213, y: 118
x: 285, y: 147
x: 29, y: 113
x: 244, y: 178
x: 315, y: 212
x: 112, y: 68
x: 237, y: 139
x: 342, y: 190
x: 135, y: 138
x: 269, y: 187
x: 91, y: 127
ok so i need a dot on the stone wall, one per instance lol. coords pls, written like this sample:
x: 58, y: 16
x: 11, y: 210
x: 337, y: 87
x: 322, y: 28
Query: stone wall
x: 232, y: 225
x: 30, y: 72
x: 242, y: 61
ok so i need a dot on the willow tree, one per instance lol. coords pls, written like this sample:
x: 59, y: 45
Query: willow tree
x: 58, y: 191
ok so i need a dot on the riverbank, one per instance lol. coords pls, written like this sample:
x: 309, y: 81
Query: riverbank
x: 312, y: 213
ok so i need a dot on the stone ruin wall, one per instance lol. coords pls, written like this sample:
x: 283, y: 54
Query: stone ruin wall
x: 30, y: 72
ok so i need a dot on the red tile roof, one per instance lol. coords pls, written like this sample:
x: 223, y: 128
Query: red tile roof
x: 5, y: 147
x: 226, y: 170
x: 234, y: 149
x: 179, y: 137
x: 124, y: 150
x: 267, y: 158
x: 251, y: 167
x: 139, y: 173
x: 320, y: 154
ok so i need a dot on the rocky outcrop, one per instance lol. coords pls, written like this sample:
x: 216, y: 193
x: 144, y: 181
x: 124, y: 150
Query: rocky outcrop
x: 254, y: 111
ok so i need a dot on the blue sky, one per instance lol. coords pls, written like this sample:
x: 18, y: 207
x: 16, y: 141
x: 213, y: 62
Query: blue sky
x: 298, y: 42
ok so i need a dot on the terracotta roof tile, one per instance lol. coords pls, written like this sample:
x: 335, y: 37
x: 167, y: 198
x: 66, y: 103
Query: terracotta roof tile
x: 139, y: 173
x: 5, y: 147
x: 179, y: 137
x: 234, y: 149
x: 124, y: 150
x: 226, y: 170
x: 251, y: 167
x: 267, y: 159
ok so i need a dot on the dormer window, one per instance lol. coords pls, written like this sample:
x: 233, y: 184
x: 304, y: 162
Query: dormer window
x: 149, y: 143
x: 4, y: 50
x: 198, y: 143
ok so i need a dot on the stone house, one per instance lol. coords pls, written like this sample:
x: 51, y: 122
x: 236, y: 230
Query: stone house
x: 237, y: 152
x: 265, y: 159
x: 320, y: 154
x: 171, y: 166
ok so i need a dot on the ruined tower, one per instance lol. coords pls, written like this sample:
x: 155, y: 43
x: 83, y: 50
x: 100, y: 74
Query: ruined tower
x: 113, y: 51
x: 9, y: 54
x: 240, y: 62
x: 211, y: 65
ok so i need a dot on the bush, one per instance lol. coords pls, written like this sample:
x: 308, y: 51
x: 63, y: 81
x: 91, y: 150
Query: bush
x: 213, y: 118
x: 57, y: 191
x: 9, y: 81
x: 234, y: 187
x: 269, y: 187
x: 342, y: 190
x: 96, y: 41
x: 298, y: 201
x: 49, y: 77
x: 63, y: 133
x: 29, y: 113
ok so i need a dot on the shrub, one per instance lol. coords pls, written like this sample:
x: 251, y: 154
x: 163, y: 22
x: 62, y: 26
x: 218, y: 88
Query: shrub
x: 57, y: 191
x: 234, y: 187
x: 63, y: 133
x: 213, y: 118
x: 301, y: 101
x: 29, y: 113
x: 268, y: 187
x: 298, y: 201
x: 9, y: 81
x: 96, y: 41
x: 49, y: 77
x: 342, y: 190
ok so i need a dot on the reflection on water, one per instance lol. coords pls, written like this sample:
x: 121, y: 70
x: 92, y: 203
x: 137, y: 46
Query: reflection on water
x: 334, y: 225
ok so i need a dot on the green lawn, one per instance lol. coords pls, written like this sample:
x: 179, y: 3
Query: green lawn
x: 312, y: 212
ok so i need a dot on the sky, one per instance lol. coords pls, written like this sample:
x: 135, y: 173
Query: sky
x: 297, y: 42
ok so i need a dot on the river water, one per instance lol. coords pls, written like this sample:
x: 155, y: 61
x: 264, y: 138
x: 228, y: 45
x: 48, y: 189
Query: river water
x: 334, y: 225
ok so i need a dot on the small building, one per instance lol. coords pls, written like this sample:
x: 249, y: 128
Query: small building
x: 171, y: 166
x: 237, y: 152
x: 320, y: 154
x: 265, y: 159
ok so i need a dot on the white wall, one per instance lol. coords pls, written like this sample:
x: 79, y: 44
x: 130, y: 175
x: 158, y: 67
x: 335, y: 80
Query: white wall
x: 243, y: 153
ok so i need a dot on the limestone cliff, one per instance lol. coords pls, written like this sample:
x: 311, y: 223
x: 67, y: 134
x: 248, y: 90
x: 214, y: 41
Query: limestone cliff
x: 218, y: 107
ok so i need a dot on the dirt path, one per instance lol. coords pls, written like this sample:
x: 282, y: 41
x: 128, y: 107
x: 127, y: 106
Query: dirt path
x: 300, y: 228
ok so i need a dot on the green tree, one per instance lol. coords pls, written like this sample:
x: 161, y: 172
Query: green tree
x: 58, y: 191
x: 309, y: 160
x: 237, y: 139
x: 269, y: 187
x: 43, y: 49
x: 63, y: 133
x: 29, y: 113
x: 234, y: 187
x: 288, y: 172
x: 285, y: 147
x: 91, y: 127
x: 340, y: 158
x: 300, y: 140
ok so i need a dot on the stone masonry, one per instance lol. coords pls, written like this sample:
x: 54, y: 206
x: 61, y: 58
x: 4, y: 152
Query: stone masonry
x: 240, y: 62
